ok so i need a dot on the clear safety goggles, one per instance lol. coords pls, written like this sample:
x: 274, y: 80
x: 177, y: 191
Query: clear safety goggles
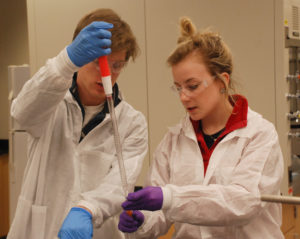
x: 115, y: 66
x: 190, y: 89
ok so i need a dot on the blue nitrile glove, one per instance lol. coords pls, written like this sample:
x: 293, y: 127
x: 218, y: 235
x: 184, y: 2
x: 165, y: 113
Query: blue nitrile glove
x: 92, y: 42
x: 77, y: 225
x: 130, y: 223
x: 148, y: 198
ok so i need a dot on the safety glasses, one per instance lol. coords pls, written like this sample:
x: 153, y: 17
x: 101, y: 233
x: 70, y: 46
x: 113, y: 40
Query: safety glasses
x: 190, y: 89
x: 115, y: 66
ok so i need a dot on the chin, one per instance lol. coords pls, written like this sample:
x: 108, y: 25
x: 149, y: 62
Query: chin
x: 195, y: 117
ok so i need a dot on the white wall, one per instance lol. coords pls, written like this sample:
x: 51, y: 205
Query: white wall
x: 13, y: 50
x: 251, y: 29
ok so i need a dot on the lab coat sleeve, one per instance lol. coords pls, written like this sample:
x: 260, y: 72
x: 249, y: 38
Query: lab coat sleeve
x: 105, y: 201
x: 258, y: 171
x: 40, y: 96
x: 156, y: 224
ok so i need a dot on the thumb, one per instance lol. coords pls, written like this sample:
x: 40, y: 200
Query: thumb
x: 125, y: 205
x: 137, y: 215
x: 133, y: 196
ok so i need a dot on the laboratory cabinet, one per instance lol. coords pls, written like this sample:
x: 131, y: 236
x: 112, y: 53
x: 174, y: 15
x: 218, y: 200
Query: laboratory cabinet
x: 291, y: 213
x: 291, y: 221
x: 4, y: 190
x: 13, y: 51
x: 292, y: 79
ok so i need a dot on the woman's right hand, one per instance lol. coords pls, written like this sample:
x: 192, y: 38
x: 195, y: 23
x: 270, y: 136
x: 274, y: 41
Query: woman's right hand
x: 130, y: 223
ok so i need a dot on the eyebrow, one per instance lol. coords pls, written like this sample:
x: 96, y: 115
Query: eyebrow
x: 188, y: 80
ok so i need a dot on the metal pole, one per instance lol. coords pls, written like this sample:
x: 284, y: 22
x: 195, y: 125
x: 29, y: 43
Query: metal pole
x: 280, y: 199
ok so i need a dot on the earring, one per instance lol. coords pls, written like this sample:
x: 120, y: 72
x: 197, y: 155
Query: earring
x: 222, y: 90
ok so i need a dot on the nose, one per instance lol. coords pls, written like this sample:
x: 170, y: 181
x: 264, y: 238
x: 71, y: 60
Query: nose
x: 183, y: 96
x: 97, y: 68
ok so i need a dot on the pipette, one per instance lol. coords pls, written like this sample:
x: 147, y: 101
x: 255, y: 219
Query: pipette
x: 106, y: 81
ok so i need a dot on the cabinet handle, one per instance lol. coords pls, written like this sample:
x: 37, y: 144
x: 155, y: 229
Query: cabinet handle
x: 292, y: 77
x: 294, y: 135
x: 294, y: 115
x: 292, y: 96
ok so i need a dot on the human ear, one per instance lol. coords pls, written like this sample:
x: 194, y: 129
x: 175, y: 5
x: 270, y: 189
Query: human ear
x: 224, y: 82
x: 226, y: 78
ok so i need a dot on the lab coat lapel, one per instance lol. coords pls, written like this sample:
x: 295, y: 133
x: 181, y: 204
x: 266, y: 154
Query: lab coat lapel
x: 189, y: 133
x: 217, y: 155
x: 188, y: 128
x: 214, y: 161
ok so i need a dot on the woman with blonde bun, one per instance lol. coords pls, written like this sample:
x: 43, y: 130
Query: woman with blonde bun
x: 209, y: 171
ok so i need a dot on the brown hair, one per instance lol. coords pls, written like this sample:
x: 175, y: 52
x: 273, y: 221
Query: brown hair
x: 122, y: 36
x: 208, y: 45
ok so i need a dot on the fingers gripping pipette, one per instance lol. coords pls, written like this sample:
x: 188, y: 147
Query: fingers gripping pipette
x: 106, y: 81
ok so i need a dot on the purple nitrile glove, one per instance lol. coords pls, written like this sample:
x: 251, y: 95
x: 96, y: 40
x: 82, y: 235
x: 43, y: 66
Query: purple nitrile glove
x: 129, y: 223
x: 149, y: 198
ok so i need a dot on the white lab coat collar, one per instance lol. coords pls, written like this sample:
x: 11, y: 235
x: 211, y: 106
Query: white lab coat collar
x: 186, y: 127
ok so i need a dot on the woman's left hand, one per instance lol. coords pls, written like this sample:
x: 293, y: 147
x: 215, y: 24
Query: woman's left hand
x: 149, y: 198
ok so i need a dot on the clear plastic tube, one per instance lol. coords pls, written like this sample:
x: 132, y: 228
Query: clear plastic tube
x: 106, y: 81
x: 111, y: 108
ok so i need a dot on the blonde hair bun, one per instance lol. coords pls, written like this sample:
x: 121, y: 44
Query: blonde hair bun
x: 187, y: 29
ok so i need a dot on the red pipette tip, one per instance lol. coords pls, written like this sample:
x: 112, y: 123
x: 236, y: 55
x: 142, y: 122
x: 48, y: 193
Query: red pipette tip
x: 104, y: 67
x: 105, y: 75
x: 129, y: 212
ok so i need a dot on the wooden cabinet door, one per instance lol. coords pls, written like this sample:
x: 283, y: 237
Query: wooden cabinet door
x: 4, y: 198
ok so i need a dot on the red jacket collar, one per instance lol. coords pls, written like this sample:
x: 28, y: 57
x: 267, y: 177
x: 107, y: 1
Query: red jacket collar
x: 237, y: 119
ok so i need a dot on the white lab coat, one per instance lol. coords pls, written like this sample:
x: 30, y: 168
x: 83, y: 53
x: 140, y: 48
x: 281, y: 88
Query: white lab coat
x: 61, y: 172
x: 225, y: 203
